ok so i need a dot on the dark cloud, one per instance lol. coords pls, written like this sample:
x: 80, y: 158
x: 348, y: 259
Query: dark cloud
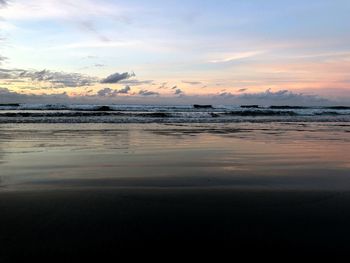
x: 148, y: 93
x: 226, y: 95
x: 280, y: 95
x: 59, y: 79
x: 125, y: 90
x: 63, y: 79
x: 175, y: 87
x: 108, y: 92
x: 10, y: 74
x: 269, y: 97
x: 192, y: 82
x: 117, y: 77
x: 178, y: 92
x: 149, y: 97
x: 163, y: 85
x: 66, y: 79
x: 7, y: 96
x: 242, y: 90
x: 105, y: 92
x: 4, y: 91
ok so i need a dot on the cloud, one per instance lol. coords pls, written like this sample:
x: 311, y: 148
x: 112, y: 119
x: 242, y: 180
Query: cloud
x: 83, y: 14
x: 269, y: 97
x: 148, y: 93
x: 105, y: 92
x: 7, y: 96
x: 237, y: 56
x: 63, y: 10
x: 163, y: 85
x: 2, y: 59
x: 282, y: 97
x: 117, y: 77
x: 89, y: 26
x: 192, y: 82
x: 108, y: 92
x: 226, y: 95
x: 135, y: 82
x: 178, y: 92
x: 59, y: 79
x: 6, y: 74
x: 64, y: 79
x: 125, y: 90
x: 3, y: 3
x: 242, y: 90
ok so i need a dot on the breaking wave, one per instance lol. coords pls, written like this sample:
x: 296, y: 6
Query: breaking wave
x: 60, y: 113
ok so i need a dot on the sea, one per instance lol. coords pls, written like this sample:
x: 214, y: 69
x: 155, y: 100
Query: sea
x: 80, y: 113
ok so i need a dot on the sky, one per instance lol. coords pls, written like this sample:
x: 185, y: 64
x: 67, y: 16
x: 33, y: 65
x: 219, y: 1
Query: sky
x: 175, y: 52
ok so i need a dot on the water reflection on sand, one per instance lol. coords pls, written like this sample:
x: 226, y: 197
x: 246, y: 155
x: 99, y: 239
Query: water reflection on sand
x: 283, y: 155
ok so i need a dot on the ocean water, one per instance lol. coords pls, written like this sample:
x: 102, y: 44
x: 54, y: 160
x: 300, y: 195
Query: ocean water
x: 270, y: 147
x: 61, y: 113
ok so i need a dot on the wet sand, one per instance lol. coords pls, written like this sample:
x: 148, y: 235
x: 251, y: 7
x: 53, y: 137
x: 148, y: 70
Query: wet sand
x: 95, y: 222
x: 73, y: 192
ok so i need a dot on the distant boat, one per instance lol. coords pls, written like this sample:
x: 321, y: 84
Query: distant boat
x: 103, y: 108
x: 196, y: 106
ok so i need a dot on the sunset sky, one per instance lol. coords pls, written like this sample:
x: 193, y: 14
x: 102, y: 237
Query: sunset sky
x: 138, y: 51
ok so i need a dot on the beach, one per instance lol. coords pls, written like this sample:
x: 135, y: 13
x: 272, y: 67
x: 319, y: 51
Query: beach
x: 174, y: 130
x: 86, y: 189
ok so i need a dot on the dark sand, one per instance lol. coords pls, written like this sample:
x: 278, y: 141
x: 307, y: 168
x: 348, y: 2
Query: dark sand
x: 91, y: 222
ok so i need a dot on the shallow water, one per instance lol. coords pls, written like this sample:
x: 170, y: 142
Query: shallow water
x: 242, y: 155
